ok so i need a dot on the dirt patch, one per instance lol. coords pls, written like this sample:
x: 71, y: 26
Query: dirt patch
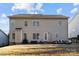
x: 39, y: 50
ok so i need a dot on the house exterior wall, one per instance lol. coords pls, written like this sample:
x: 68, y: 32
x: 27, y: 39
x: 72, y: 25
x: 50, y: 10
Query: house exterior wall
x: 55, y: 30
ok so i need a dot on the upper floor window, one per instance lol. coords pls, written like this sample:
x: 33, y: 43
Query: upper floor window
x: 25, y: 23
x: 60, y: 23
x: 12, y: 23
x: 56, y: 35
x: 35, y: 23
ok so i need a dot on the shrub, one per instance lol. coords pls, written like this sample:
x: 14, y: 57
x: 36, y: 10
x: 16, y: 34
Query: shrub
x: 25, y: 41
x: 34, y: 42
x: 41, y: 42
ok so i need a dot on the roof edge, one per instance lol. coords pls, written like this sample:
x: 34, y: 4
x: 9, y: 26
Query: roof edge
x: 38, y: 16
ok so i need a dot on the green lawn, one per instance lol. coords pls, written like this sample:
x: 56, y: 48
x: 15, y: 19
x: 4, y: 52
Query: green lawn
x: 39, y: 50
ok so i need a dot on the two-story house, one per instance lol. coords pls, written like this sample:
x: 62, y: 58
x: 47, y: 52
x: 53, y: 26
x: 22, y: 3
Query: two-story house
x: 36, y: 27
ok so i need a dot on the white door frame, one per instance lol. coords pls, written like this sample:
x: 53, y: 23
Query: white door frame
x: 16, y: 36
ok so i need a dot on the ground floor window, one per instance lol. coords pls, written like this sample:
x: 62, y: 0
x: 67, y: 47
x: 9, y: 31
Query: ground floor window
x: 36, y: 35
x: 25, y: 35
x: 46, y: 35
x: 13, y: 35
x: 25, y: 39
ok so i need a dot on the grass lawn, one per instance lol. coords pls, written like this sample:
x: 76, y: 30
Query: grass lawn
x: 39, y: 50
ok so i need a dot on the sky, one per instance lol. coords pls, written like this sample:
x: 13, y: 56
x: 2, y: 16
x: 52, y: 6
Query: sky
x: 9, y: 9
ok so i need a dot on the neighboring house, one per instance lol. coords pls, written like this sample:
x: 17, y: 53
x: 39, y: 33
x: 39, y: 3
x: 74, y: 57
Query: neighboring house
x: 74, y: 26
x: 45, y: 28
x: 3, y: 39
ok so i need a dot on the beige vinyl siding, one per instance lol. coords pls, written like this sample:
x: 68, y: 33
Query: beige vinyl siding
x: 45, y: 25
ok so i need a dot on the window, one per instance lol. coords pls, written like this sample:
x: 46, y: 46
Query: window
x: 12, y: 23
x: 46, y: 35
x: 25, y: 23
x: 35, y: 35
x: 25, y: 36
x: 13, y: 35
x: 35, y: 23
x: 56, y: 35
x: 60, y: 23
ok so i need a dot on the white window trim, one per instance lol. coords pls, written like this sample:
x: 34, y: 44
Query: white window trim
x: 44, y: 36
x: 36, y: 21
x: 12, y: 22
x: 25, y: 23
x: 36, y: 33
x: 60, y: 23
x: 26, y: 34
